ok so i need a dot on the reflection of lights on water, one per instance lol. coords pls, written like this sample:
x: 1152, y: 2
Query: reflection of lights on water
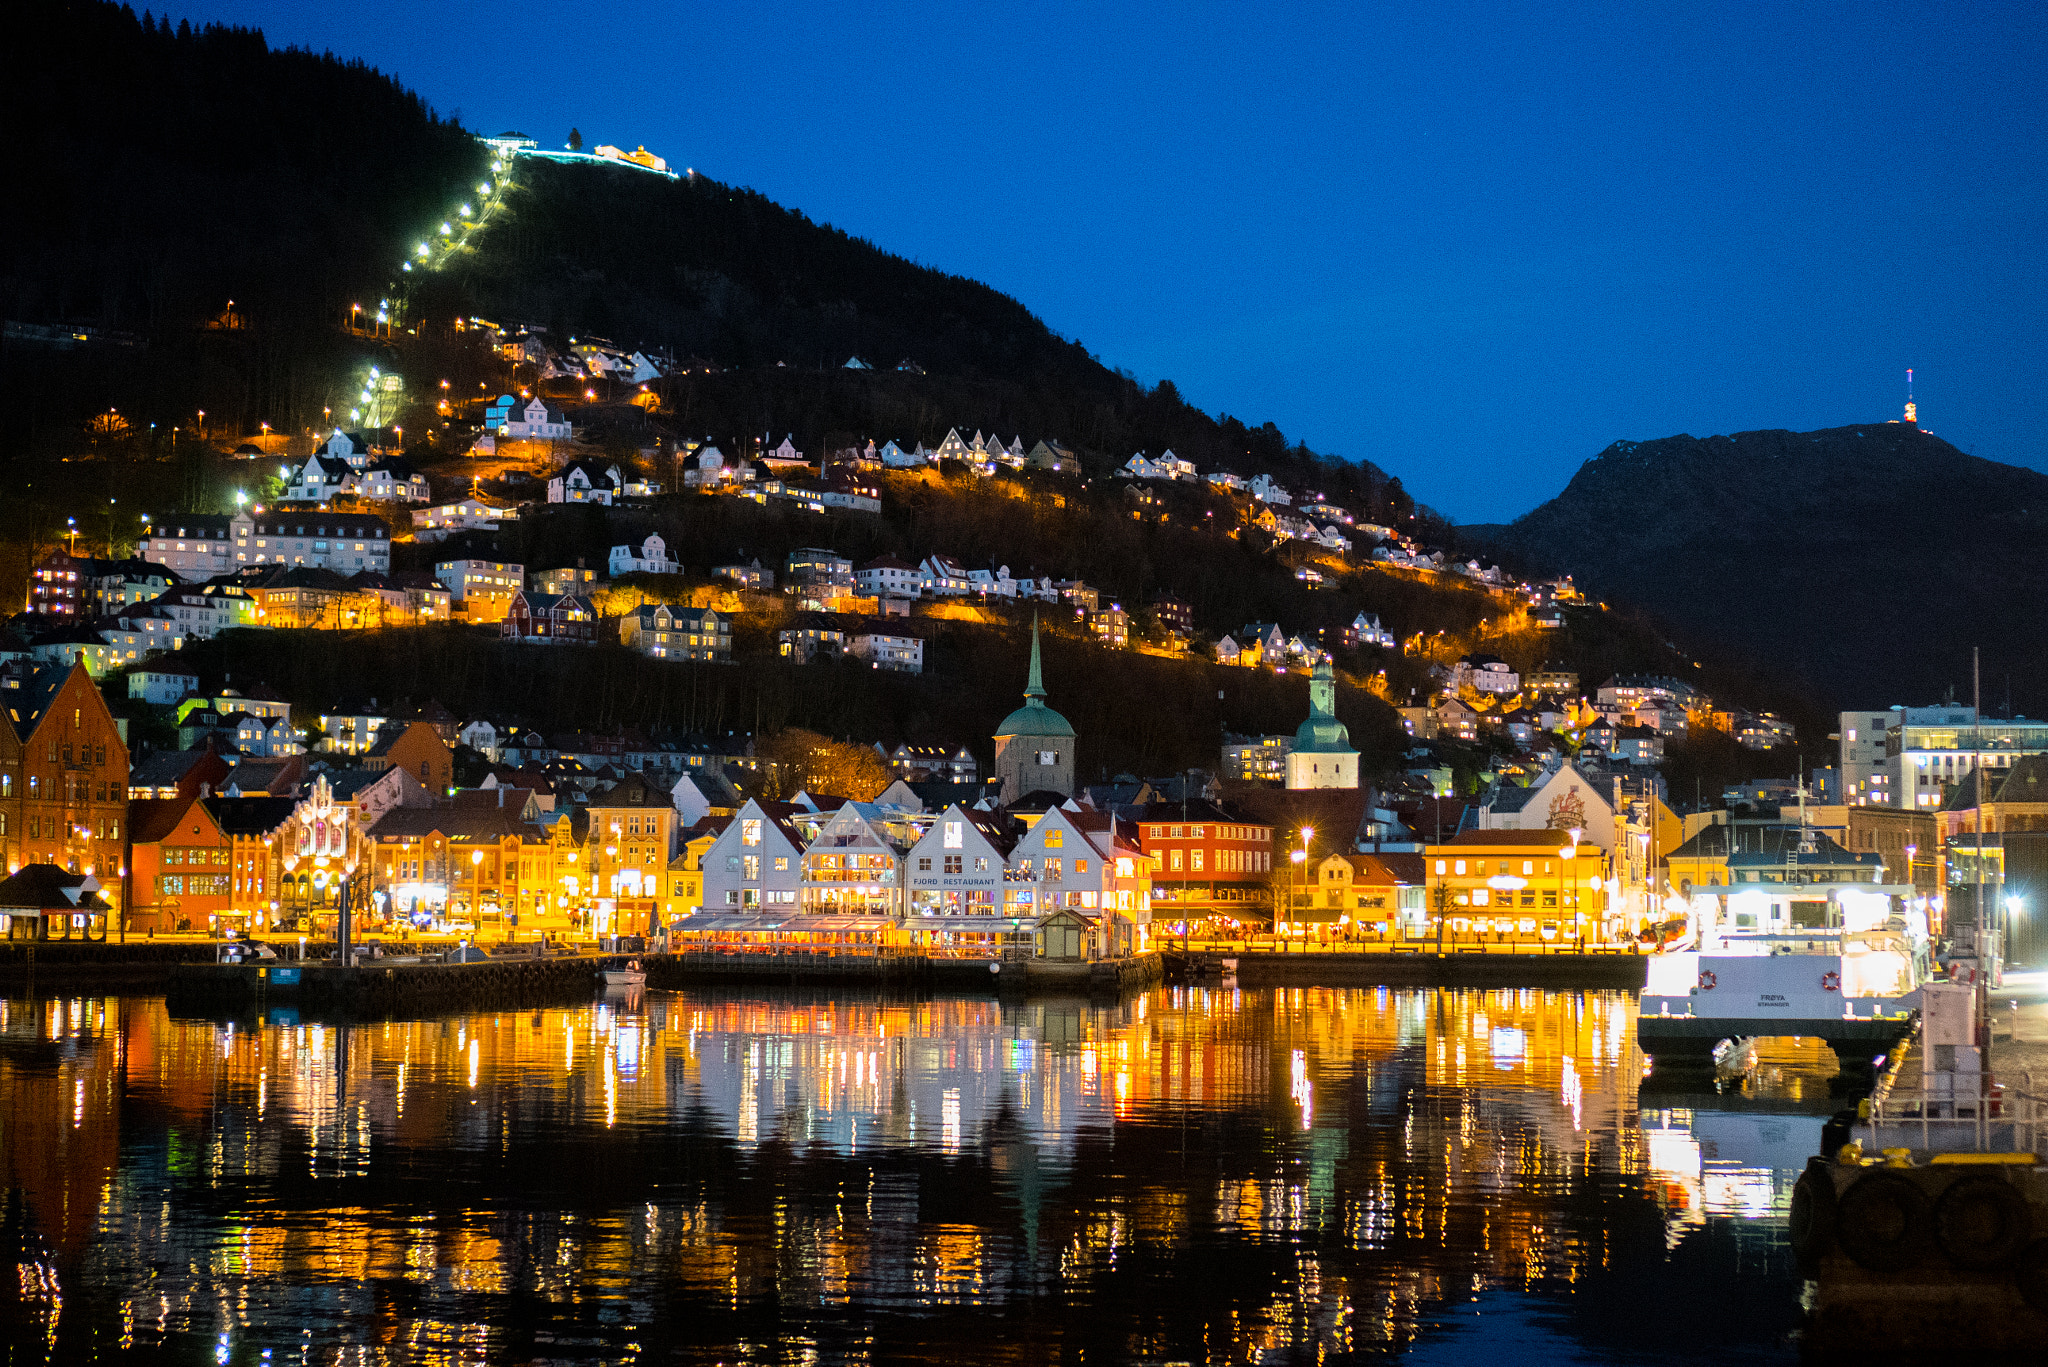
x: 78, y: 1104
x: 812, y: 1073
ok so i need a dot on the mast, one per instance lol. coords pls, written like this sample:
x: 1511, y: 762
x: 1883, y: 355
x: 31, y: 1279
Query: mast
x: 1977, y: 775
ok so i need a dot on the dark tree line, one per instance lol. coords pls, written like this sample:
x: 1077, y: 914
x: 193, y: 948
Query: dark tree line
x: 161, y: 172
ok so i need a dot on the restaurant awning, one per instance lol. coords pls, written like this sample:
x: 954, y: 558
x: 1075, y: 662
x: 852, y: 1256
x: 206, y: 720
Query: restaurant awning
x: 972, y: 925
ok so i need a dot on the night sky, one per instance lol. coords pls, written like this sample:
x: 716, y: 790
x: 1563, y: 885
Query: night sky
x: 1473, y: 243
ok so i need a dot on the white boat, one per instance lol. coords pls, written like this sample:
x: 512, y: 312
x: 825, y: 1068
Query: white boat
x: 631, y: 975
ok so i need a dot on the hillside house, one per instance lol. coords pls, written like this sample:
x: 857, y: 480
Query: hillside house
x: 1050, y: 455
x: 941, y: 576
x: 671, y: 633
x: 811, y: 636
x: 473, y: 513
x: 887, y: 577
x: 897, y: 654
x: 549, y: 619
x: 1265, y: 490
x: 392, y: 480
x: 586, y: 481
x: 535, y: 421
x: 652, y: 558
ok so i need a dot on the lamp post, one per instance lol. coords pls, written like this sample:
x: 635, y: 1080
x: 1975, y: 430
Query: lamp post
x: 611, y: 854
x: 476, y: 871
x: 1578, y: 925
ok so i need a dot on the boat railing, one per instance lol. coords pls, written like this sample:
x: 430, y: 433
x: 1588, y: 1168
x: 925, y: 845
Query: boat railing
x: 1959, y: 1113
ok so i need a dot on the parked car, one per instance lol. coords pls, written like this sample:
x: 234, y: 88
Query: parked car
x: 246, y: 952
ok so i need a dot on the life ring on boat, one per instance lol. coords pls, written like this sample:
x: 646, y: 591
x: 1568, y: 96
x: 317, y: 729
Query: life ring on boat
x: 2030, y: 1273
x: 1831, y: 981
x: 1883, y: 1223
x: 1812, y: 1226
x: 1708, y: 980
x: 1981, y: 1222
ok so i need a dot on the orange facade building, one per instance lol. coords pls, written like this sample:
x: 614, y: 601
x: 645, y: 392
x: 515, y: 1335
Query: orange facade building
x: 181, y: 872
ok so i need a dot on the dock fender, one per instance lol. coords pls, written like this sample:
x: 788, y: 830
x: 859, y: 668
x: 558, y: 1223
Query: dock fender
x: 1884, y: 1223
x: 1982, y: 1221
x: 1813, y: 1213
x: 2030, y: 1272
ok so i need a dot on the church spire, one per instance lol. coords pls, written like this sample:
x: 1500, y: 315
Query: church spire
x: 1034, y: 688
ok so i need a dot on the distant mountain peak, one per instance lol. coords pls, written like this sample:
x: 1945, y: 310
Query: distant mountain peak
x: 1834, y: 556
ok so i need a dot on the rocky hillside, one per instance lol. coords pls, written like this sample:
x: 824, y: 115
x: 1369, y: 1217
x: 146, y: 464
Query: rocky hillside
x: 1862, y: 562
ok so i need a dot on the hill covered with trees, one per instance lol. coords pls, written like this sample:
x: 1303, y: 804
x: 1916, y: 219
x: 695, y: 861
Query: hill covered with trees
x: 160, y: 172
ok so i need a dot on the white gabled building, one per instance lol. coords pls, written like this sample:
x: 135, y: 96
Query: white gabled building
x: 652, y: 558
x: 941, y: 576
x: 853, y: 866
x: 755, y: 864
x: 586, y: 481
x: 392, y: 480
x: 954, y: 881
x: 318, y: 480
x: 534, y: 420
x: 1266, y: 491
x: 953, y: 448
x: 1074, y: 862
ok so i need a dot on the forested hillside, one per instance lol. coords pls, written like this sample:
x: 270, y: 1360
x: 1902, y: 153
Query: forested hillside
x: 176, y: 170
x: 159, y: 173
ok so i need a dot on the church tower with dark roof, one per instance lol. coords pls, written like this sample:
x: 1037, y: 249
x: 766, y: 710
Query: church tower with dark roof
x: 1034, y: 744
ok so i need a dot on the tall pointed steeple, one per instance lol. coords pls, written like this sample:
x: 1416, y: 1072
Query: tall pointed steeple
x: 1034, y: 744
x: 1034, y: 687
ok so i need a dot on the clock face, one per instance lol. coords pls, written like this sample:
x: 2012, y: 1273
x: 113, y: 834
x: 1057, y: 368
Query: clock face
x: 1048, y: 757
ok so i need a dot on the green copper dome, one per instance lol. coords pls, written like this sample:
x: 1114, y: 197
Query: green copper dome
x: 1034, y: 718
x: 1322, y: 733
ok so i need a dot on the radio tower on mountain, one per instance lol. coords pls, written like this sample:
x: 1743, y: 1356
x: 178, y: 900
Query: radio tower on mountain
x: 1912, y: 413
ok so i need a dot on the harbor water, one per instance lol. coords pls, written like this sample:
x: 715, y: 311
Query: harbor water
x: 1187, y: 1175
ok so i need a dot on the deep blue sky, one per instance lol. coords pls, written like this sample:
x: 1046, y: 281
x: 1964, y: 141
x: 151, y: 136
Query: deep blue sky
x: 1472, y: 242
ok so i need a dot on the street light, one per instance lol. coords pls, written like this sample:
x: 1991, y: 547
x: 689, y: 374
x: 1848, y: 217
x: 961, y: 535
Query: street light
x: 1578, y: 924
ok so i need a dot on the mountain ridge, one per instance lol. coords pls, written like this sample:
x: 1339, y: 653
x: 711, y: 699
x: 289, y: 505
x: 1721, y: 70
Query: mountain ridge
x: 1799, y: 549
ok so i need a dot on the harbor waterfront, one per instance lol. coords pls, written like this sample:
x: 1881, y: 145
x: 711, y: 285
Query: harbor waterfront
x: 749, y: 1173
